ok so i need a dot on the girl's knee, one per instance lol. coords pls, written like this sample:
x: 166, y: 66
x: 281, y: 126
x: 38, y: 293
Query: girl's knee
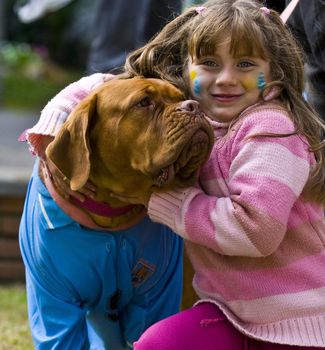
x: 201, y: 327
x: 153, y: 338
x: 167, y: 334
x: 176, y: 332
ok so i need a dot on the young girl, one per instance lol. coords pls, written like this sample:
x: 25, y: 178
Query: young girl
x: 254, y: 226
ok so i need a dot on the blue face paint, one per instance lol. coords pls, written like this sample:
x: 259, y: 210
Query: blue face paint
x: 197, y: 87
x: 261, y: 81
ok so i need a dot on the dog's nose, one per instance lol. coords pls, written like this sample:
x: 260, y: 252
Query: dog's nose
x: 189, y: 106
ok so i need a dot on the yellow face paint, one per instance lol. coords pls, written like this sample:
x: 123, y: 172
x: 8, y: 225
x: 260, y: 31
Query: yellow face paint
x: 193, y: 74
x: 250, y: 83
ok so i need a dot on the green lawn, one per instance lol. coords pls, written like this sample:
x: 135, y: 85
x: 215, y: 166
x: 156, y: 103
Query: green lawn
x: 14, y: 329
x: 20, y: 92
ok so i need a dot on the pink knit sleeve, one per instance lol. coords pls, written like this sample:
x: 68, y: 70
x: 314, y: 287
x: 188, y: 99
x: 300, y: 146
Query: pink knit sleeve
x: 58, y: 109
x: 252, y: 185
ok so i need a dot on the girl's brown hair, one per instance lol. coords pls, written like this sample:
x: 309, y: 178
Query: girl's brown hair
x: 252, y: 32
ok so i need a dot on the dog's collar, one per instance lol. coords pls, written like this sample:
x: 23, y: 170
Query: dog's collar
x: 101, y: 208
x: 80, y: 215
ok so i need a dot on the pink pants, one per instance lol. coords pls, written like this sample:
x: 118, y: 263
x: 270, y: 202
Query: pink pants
x: 203, y: 327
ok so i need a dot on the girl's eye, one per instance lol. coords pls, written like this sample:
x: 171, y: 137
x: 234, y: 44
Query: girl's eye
x: 145, y: 102
x: 245, y: 64
x: 209, y: 63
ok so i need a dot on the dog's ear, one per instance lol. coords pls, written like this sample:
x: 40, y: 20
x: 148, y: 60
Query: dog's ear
x: 70, y: 150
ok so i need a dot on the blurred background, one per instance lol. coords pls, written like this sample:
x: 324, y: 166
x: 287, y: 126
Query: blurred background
x: 38, y: 58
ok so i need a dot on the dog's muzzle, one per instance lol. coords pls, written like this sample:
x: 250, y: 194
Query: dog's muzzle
x: 184, y: 168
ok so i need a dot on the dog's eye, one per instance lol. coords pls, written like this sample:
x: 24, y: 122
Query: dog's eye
x: 145, y: 102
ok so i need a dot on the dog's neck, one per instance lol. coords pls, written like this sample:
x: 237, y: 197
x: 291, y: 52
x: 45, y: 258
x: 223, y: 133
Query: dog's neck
x: 94, y: 214
x: 107, y: 216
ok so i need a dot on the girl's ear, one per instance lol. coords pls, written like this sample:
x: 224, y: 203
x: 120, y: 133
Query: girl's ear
x: 70, y: 149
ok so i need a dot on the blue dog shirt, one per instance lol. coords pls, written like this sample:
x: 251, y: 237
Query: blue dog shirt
x: 90, y: 289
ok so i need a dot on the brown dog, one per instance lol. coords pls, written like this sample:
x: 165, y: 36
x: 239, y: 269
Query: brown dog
x: 131, y: 137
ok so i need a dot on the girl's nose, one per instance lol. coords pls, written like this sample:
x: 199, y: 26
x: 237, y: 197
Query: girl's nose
x: 226, y: 77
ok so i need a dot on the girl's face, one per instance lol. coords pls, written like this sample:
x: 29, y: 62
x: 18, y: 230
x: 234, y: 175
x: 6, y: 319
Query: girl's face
x: 225, y: 86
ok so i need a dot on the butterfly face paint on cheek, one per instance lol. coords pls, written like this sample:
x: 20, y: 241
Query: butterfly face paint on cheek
x: 196, y: 82
x: 255, y: 83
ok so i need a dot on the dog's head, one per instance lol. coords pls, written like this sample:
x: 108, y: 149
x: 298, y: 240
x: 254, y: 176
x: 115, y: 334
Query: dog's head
x: 133, y: 136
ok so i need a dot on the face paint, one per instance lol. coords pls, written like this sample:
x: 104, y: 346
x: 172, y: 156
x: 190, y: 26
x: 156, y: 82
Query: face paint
x: 249, y: 84
x: 197, y: 86
x: 192, y: 75
x: 196, y: 82
x: 261, y: 81
x: 258, y: 82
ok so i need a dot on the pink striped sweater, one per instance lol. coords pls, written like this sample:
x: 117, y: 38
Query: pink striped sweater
x: 256, y: 245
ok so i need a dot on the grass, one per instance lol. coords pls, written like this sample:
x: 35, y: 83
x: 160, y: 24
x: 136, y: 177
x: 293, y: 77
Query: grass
x: 14, y: 329
x: 21, y: 92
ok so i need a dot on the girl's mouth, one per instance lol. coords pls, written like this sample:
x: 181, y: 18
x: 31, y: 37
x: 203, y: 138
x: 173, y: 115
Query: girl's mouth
x: 225, y: 98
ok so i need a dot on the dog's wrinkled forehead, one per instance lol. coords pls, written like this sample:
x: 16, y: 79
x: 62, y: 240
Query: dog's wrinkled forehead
x: 166, y: 89
x: 138, y: 90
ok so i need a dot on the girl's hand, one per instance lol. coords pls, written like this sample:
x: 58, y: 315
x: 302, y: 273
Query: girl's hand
x: 63, y: 184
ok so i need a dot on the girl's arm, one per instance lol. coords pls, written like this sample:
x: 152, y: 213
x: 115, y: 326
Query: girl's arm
x: 250, y: 217
x: 58, y: 109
